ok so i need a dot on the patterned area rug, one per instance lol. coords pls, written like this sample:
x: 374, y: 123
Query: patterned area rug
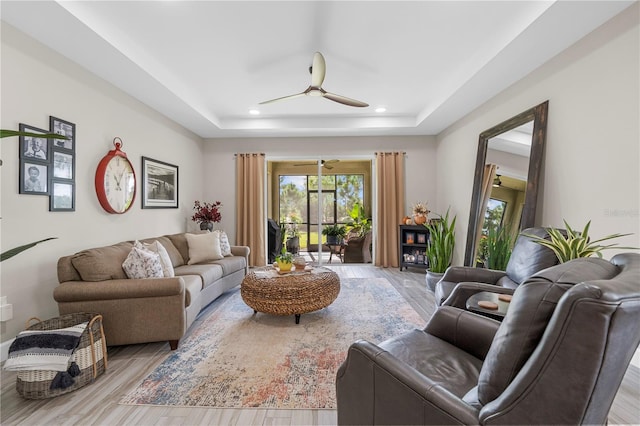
x: 238, y: 359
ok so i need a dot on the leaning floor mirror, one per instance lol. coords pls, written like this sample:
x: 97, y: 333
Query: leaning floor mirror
x: 507, y: 175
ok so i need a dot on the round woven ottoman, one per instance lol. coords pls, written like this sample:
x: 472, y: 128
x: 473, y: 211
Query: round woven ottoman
x: 295, y: 293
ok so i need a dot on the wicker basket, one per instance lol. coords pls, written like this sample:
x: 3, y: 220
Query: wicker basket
x: 90, y: 355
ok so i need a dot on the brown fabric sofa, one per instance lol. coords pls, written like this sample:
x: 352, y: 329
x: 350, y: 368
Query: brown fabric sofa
x: 145, y: 310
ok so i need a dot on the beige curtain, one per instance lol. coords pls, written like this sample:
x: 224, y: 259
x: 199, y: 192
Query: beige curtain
x: 250, y: 215
x: 390, y: 206
x: 487, y: 184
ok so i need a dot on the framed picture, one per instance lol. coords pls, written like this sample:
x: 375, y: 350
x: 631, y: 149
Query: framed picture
x: 31, y: 147
x: 62, y: 198
x: 62, y: 165
x: 159, y: 184
x: 34, y: 178
x: 410, y: 237
x: 422, y: 238
x: 63, y: 127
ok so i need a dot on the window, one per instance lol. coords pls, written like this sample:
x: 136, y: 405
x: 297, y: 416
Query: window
x: 298, y: 204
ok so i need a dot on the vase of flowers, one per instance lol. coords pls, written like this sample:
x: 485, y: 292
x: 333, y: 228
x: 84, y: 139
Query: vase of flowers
x: 206, y: 214
x: 420, y: 213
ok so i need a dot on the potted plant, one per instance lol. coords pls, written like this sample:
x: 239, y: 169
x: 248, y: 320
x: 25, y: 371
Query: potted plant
x: 574, y: 244
x: 499, y: 243
x: 420, y: 212
x: 439, y: 252
x: 284, y: 260
x: 206, y: 214
x: 359, y: 224
x: 335, y: 233
x: 293, y: 234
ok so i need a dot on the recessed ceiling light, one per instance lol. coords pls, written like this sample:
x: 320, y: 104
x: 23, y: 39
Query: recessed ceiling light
x: 381, y: 109
x: 254, y: 112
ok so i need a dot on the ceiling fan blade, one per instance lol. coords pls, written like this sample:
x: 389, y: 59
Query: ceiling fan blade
x: 297, y: 95
x: 327, y: 167
x: 344, y: 100
x: 318, y: 70
x: 331, y: 161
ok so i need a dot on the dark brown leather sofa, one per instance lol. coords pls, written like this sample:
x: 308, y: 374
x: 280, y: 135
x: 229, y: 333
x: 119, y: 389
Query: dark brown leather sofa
x: 558, y: 357
x: 527, y: 258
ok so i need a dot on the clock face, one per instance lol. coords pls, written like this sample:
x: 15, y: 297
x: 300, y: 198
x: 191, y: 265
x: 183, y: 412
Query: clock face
x: 119, y: 184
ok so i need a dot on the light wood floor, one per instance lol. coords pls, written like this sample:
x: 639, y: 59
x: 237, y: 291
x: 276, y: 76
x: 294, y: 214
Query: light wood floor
x: 97, y: 404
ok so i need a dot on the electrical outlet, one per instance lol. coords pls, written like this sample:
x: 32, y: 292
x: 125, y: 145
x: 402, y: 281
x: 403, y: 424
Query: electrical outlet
x: 6, y: 312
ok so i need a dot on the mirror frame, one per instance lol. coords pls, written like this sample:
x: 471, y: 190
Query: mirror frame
x: 539, y: 116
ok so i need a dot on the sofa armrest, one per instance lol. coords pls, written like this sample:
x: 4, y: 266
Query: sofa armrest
x: 374, y: 387
x: 458, y: 274
x: 244, y: 252
x: 79, y: 291
x: 470, y: 332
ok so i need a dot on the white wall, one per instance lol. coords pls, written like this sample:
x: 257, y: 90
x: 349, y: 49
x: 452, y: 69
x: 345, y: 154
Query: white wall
x: 419, y: 163
x: 591, y: 169
x: 37, y: 83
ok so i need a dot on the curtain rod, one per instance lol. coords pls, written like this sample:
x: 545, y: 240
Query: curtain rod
x: 403, y: 153
x: 248, y: 153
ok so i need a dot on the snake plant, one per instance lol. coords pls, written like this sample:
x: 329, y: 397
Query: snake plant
x: 576, y: 244
x: 17, y: 250
x: 442, y: 238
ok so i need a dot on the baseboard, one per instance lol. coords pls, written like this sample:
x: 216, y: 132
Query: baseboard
x: 4, y: 350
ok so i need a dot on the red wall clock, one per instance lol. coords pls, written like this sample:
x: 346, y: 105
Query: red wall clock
x: 116, y: 180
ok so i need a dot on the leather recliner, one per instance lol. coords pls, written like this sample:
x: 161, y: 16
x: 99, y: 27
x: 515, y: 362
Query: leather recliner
x: 527, y: 258
x: 558, y: 357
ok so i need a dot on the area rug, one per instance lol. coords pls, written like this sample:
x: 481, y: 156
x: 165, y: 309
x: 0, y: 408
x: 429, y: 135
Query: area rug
x: 237, y: 359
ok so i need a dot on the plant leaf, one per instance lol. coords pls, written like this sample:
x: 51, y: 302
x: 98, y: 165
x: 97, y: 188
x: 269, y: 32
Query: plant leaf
x: 17, y: 250
x: 9, y: 133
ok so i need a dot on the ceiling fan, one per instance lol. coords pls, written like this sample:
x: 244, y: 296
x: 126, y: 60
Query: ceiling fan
x: 326, y: 164
x: 317, y: 71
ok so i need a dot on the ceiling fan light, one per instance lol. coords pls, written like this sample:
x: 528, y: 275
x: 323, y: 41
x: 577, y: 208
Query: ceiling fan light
x: 254, y: 111
x: 381, y: 109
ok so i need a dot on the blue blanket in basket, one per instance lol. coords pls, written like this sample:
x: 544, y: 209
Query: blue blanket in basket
x: 47, y: 350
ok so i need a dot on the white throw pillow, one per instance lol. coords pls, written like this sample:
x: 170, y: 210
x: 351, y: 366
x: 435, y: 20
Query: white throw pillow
x: 142, y: 263
x: 225, y: 246
x: 203, y: 247
x: 165, y: 260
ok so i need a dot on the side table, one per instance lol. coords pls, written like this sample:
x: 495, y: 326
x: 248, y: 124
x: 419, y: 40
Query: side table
x: 487, y: 296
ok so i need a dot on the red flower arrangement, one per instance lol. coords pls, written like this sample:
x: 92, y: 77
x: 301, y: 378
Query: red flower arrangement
x: 207, y: 212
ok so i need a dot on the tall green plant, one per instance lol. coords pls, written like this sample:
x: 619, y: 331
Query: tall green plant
x: 17, y: 250
x: 442, y: 238
x: 359, y: 222
x: 499, y: 244
x: 575, y: 244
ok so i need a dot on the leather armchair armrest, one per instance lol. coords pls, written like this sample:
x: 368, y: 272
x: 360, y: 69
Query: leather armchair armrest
x: 470, y: 332
x: 458, y: 274
x: 378, y: 378
x: 80, y: 291
x: 464, y: 290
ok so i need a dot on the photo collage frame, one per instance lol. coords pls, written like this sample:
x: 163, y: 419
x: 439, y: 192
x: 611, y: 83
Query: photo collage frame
x: 48, y: 166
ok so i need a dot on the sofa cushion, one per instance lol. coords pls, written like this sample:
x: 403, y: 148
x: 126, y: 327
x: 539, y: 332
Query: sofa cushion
x: 225, y: 246
x: 142, y: 263
x: 103, y: 263
x: 208, y: 272
x: 530, y: 309
x: 203, y: 247
x: 172, y: 251
x: 165, y: 260
x: 231, y: 264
